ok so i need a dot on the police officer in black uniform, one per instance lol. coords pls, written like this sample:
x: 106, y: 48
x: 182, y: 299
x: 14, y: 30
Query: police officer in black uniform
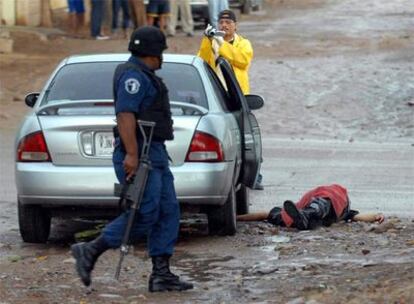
x: 140, y: 94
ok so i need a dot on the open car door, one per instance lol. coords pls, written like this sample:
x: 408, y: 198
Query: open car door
x: 249, y: 127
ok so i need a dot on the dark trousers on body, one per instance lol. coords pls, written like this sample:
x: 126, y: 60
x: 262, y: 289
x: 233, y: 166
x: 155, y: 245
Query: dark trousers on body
x: 97, y: 12
x: 158, y: 217
x: 97, y: 16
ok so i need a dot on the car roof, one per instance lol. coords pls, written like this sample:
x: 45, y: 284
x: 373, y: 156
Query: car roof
x: 176, y: 58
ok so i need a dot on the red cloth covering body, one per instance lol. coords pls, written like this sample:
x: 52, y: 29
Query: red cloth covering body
x: 335, y: 193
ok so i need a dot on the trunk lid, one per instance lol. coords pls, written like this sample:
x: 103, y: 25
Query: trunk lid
x: 86, y: 139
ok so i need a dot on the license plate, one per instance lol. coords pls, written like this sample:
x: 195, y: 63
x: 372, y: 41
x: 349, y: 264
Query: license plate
x: 104, y: 144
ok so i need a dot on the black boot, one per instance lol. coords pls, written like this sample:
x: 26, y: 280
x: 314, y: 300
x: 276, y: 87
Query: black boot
x: 162, y: 279
x: 307, y: 218
x: 300, y: 218
x: 86, y: 255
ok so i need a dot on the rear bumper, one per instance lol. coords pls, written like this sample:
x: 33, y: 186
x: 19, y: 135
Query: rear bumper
x: 58, y: 186
x: 203, y: 183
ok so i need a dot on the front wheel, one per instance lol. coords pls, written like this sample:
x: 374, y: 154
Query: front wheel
x: 222, y: 219
x: 34, y: 223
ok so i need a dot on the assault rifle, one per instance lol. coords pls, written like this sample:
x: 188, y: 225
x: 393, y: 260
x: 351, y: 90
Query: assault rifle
x: 131, y: 193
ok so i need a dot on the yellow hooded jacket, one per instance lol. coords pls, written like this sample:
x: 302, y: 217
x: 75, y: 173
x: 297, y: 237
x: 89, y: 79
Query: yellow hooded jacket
x: 239, y: 54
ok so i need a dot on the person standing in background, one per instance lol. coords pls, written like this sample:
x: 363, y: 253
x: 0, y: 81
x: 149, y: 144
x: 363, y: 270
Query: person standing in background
x: 214, y: 8
x: 158, y: 9
x: 97, y: 14
x: 76, y: 15
x: 138, y: 16
x: 186, y: 17
x: 116, y: 6
x: 236, y: 49
x: 233, y: 47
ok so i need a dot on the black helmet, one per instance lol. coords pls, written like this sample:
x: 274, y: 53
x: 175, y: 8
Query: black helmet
x: 147, y: 41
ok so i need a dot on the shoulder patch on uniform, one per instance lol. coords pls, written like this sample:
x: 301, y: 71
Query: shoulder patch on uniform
x: 132, y: 85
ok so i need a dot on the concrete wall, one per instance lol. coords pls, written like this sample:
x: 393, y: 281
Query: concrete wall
x: 28, y: 12
x: 25, y: 12
x: 7, y: 12
x: 7, y: 17
x: 55, y: 4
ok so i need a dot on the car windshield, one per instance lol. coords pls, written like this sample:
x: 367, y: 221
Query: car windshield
x: 93, y: 81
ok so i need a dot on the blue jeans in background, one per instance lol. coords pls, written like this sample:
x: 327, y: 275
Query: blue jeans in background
x: 214, y: 8
x: 97, y: 11
x: 116, y: 6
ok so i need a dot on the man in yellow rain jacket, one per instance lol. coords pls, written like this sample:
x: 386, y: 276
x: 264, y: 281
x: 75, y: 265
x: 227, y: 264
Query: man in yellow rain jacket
x: 233, y: 47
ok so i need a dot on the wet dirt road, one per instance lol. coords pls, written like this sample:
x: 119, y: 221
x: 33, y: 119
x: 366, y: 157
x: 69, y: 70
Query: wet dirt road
x: 337, y: 77
x: 378, y: 176
x: 346, y: 263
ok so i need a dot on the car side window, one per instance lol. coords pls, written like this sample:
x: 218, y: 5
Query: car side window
x: 218, y: 87
x: 234, y: 92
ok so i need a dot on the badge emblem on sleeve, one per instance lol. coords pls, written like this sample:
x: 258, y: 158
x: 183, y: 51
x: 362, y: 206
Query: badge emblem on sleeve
x: 132, y: 85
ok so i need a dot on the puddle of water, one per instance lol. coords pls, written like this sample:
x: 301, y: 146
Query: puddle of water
x: 272, y: 248
x: 268, y: 249
x: 398, y: 257
x: 206, y: 269
x: 278, y: 239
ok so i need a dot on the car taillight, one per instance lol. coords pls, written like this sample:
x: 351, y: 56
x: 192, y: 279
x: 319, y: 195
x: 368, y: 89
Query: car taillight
x: 205, y: 148
x: 33, y: 148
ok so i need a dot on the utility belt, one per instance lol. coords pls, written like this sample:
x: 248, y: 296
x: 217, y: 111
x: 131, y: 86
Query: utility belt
x: 139, y: 136
x: 154, y: 139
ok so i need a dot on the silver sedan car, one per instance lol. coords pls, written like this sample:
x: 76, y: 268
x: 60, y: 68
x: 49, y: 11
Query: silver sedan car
x: 64, y: 146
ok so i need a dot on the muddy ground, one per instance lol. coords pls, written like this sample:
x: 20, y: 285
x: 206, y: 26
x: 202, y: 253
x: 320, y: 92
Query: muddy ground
x: 346, y: 263
x: 341, y: 70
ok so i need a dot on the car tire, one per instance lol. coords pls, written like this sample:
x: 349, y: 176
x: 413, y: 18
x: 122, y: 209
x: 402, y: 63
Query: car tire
x: 243, y: 200
x: 257, y: 8
x: 222, y: 219
x: 246, y: 7
x: 34, y: 223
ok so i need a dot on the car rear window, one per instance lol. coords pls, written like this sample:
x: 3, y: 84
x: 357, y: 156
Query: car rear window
x: 184, y: 83
x: 93, y: 81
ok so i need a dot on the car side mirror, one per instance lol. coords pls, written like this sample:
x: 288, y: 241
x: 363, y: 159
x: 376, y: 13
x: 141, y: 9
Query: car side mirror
x: 254, y: 101
x: 31, y: 99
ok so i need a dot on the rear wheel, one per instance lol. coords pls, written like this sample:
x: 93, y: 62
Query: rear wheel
x: 222, y: 220
x: 243, y: 200
x: 34, y: 223
x: 258, y: 7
